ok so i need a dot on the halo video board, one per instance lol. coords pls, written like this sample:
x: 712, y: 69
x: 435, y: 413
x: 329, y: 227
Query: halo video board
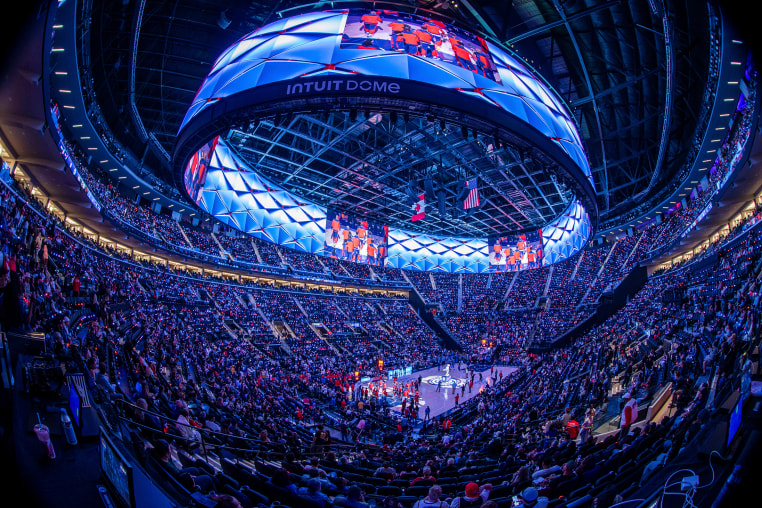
x: 356, y: 240
x: 386, y: 30
x: 517, y: 252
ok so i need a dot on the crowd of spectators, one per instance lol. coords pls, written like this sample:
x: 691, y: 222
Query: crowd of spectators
x: 184, y: 375
x: 562, y: 313
x: 529, y: 285
x: 239, y: 247
x: 612, y: 272
x: 422, y: 282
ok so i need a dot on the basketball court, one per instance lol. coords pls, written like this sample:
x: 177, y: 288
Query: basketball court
x: 440, y: 384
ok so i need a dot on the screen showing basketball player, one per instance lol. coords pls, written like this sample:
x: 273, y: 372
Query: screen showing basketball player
x: 515, y: 252
x: 353, y: 239
x: 195, y: 174
x: 385, y: 30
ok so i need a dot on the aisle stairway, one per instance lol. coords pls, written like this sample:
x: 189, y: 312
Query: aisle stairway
x: 256, y: 251
x: 223, y: 253
x: 598, y: 274
x: 185, y: 236
x: 510, y: 286
x: 312, y: 327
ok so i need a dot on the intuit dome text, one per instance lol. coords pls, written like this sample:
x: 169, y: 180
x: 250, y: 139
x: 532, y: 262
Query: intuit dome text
x: 343, y: 85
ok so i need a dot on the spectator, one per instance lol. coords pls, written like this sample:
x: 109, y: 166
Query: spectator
x: 353, y: 499
x: 432, y: 499
x: 531, y: 498
x: 313, y: 492
x: 474, y: 495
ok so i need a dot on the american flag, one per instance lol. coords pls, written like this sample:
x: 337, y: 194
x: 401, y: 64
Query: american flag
x: 473, y: 194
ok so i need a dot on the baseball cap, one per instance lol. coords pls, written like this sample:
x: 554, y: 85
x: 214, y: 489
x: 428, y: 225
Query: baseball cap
x: 529, y: 494
x: 472, y: 489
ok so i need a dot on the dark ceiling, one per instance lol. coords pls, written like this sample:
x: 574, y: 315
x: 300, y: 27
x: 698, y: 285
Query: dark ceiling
x: 635, y: 91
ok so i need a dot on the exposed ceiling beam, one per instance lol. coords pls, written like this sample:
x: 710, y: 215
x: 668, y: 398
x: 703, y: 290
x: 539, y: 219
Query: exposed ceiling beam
x: 561, y: 22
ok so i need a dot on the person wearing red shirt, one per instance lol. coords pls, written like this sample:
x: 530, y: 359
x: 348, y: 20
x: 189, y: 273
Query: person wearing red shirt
x: 371, y: 253
x: 426, y: 477
x: 370, y: 22
x: 629, y: 414
x: 463, y: 56
x: 428, y: 48
x: 410, y: 41
x: 484, y: 65
x: 335, y: 227
x: 75, y: 286
x: 435, y: 31
x: 396, y: 27
x: 531, y: 257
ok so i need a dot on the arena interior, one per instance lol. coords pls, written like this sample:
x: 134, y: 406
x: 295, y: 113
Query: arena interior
x: 403, y: 254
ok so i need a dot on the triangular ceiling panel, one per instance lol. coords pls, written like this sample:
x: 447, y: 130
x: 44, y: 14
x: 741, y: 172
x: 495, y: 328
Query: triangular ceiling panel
x: 317, y: 48
x: 275, y: 71
x: 329, y: 24
x: 422, y: 69
x: 395, y: 65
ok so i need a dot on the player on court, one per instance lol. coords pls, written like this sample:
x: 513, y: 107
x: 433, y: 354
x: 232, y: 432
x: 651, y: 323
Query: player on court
x: 496, y: 258
x: 367, y: 44
x: 437, y: 34
x: 345, y: 233
x: 370, y: 22
x: 348, y: 246
x: 463, y: 57
x: 511, y: 264
x: 410, y: 41
x: 336, y: 236
x: 484, y: 65
x: 521, y: 245
x: 355, y: 248
x: 372, y: 253
x: 427, y: 48
x: 397, y: 27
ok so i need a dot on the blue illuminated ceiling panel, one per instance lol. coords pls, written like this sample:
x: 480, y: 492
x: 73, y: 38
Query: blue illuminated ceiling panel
x: 413, y: 251
x: 567, y: 235
x: 243, y: 200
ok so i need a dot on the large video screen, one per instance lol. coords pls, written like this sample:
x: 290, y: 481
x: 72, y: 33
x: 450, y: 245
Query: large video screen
x: 355, y: 240
x: 195, y: 173
x: 513, y: 253
x: 406, y: 33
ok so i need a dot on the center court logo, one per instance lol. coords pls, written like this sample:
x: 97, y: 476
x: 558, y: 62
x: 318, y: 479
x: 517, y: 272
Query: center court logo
x: 343, y: 85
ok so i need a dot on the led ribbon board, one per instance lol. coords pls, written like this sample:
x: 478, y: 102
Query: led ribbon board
x: 384, y: 59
